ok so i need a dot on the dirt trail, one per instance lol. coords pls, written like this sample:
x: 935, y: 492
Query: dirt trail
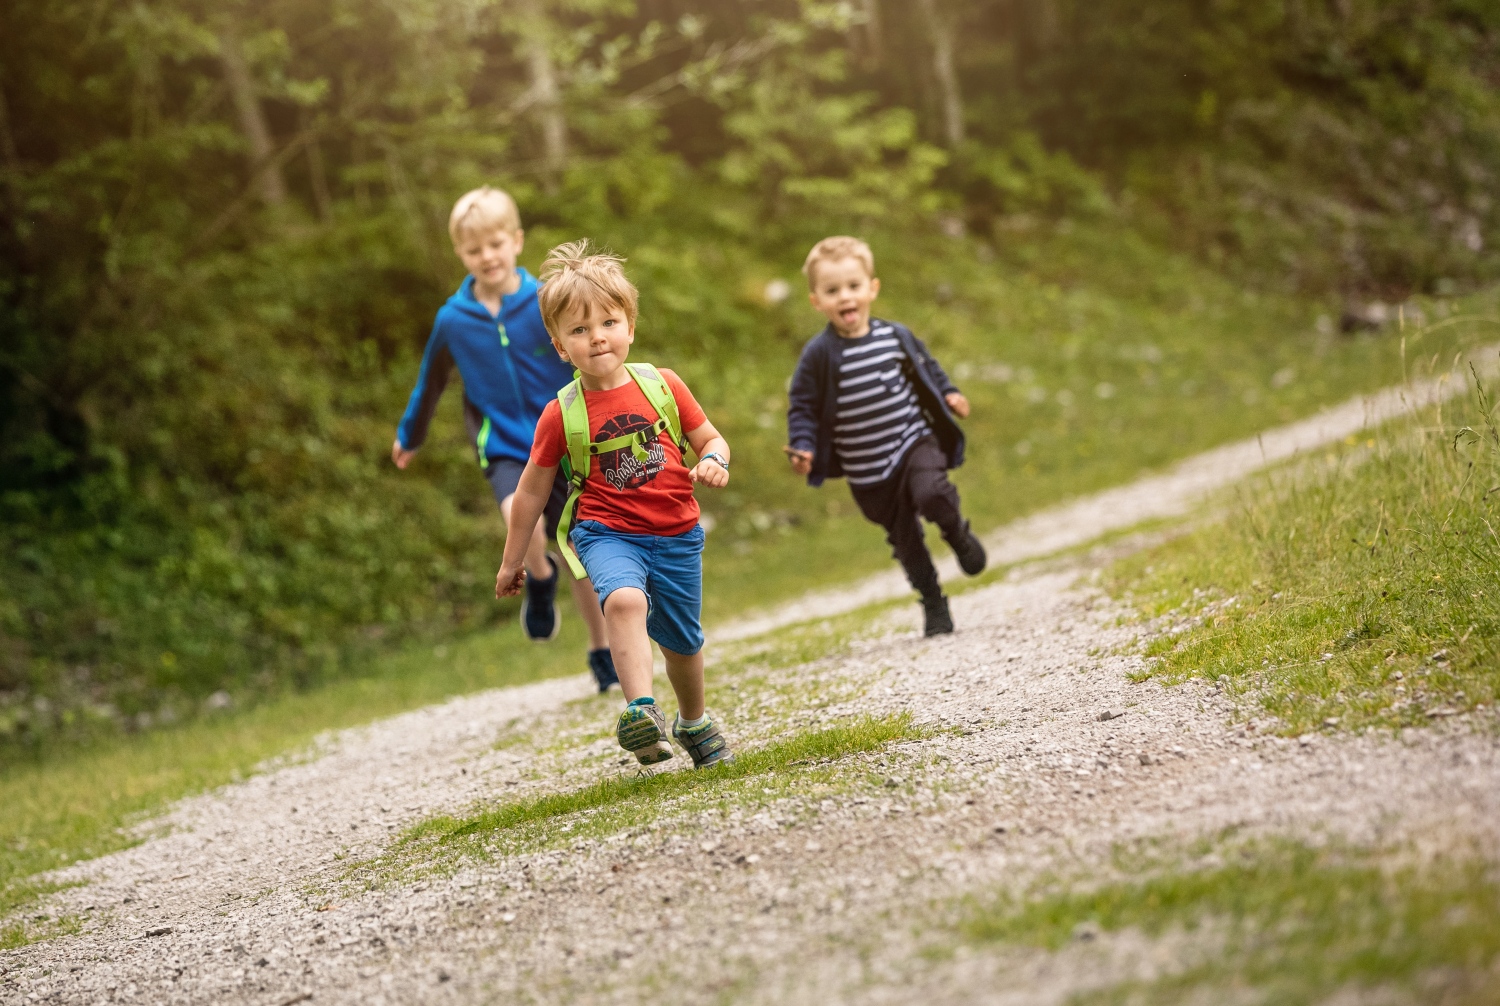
x: 801, y: 897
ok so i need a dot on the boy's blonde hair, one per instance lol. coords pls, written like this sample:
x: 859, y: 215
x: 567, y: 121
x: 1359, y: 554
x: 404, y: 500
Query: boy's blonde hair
x: 575, y: 276
x: 483, y: 210
x: 835, y: 248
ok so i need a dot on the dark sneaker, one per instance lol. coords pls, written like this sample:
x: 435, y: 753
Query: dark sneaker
x: 602, y: 663
x: 936, y: 620
x: 970, y: 552
x: 540, y: 616
x: 642, y: 730
x: 705, y: 744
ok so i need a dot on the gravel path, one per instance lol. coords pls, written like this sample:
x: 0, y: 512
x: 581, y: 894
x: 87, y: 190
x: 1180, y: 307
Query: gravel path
x: 243, y: 895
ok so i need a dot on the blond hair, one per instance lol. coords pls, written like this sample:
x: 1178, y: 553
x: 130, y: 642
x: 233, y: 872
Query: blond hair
x: 575, y: 276
x: 836, y: 248
x: 482, y: 210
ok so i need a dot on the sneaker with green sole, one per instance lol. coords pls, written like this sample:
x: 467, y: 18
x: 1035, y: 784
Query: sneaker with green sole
x: 704, y: 744
x: 642, y: 730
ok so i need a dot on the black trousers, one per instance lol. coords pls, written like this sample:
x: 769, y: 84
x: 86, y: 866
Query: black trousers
x: 918, y: 488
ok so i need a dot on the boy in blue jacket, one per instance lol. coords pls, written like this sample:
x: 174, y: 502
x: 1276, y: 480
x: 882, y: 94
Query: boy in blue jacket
x: 492, y: 330
x: 869, y: 403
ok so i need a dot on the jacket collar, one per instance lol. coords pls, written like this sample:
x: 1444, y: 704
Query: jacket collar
x: 463, y: 298
x: 833, y: 338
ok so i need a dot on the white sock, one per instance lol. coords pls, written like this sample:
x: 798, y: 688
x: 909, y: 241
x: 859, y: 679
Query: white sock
x: 683, y: 724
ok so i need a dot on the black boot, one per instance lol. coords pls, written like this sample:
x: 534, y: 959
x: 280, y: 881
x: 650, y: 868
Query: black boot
x: 936, y: 620
x: 602, y: 663
x: 969, y: 550
x: 540, y: 616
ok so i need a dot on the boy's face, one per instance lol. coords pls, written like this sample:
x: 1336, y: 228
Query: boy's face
x: 490, y: 256
x: 843, y: 290
x: 596, y: 339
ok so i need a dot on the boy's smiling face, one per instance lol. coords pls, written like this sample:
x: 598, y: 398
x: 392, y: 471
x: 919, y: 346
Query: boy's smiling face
x: 596, y: 339
x: 490, y: 256
x: 843, y: 290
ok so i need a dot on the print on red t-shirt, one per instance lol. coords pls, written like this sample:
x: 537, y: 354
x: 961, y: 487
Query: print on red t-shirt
x: 622, y: 493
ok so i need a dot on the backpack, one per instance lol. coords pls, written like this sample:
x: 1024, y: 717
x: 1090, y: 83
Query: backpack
x: 575, y: 420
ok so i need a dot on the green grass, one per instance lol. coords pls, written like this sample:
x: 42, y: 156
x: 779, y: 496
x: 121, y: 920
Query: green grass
x: 1290, y: 922
x: 790, y: 766
x: 1356, y: 591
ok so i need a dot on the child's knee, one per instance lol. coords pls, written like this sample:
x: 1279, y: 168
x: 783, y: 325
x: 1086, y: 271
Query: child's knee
x: 626, y: 602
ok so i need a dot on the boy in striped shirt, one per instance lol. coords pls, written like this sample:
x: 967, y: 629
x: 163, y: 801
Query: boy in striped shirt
x: 869, y: 403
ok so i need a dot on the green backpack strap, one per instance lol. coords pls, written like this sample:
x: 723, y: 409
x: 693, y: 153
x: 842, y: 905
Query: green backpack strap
x: 575, y: 464
x: 657, y: 392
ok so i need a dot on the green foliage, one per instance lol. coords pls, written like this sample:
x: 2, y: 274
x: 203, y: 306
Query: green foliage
x: 1360, y: 591
x: 1307, y: 144
x: 1291, y: 922
x: 216, y: 282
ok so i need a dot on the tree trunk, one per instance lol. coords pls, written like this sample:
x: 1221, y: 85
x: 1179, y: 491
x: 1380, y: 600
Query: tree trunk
x: 951, y: 99
x: 8, y: 154
x: 1047, y: 23
x: 265, y: 175
x: 317, y: 172
x: 874, y: 39
x: 545, y: 92
x: 10, y: 161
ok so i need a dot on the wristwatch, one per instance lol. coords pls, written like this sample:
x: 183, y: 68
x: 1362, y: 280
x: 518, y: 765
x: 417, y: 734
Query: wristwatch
x: 717, y: 457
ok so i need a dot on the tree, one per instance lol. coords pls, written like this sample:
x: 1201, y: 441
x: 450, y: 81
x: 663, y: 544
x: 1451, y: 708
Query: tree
x: 265, y: 172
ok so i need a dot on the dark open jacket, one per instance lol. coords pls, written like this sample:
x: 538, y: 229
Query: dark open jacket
x: 814, y: 394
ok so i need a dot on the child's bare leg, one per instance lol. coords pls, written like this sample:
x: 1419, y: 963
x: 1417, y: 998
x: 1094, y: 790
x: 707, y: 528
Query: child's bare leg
x: 686, y: 675
x: 589, y: 610
x: 625, y: 620
x: 536, y: 552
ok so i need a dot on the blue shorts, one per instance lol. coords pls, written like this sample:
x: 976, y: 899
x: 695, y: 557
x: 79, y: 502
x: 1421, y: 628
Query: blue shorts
x: 669, y: 570
x: 504, y: 476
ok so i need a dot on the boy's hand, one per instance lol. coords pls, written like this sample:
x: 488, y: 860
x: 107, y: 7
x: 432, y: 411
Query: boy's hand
x: 710, y: 473
x: 401, y: 455
x: 958, y: 403
x: 510, y: 580
x: 801, y: 460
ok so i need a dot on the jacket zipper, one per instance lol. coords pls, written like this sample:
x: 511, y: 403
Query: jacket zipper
x: 510, y: 366
x: 515, y: 389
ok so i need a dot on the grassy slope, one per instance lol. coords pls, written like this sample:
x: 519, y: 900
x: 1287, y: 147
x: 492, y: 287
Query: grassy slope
x: 1190, y: 360
x: 1355, y: 592
x: 1293, y: 923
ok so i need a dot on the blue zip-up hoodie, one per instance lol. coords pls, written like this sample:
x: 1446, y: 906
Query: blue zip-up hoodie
x: 509, y: 368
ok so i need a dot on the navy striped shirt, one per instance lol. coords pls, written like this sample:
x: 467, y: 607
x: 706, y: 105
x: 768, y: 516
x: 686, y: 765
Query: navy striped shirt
x: 878, y: 417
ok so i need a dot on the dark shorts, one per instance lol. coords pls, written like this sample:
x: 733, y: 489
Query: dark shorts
x: 668, y: 570
x: 505, y: 474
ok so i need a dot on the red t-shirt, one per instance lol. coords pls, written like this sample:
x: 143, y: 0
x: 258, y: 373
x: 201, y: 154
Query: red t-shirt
x: 621, y: 493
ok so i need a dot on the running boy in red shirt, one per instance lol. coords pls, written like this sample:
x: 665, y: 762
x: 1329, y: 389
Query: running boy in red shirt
x: 623, y: 430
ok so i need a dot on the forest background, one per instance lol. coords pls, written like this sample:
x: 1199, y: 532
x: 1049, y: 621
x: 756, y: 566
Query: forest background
x: 1134, y: 228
